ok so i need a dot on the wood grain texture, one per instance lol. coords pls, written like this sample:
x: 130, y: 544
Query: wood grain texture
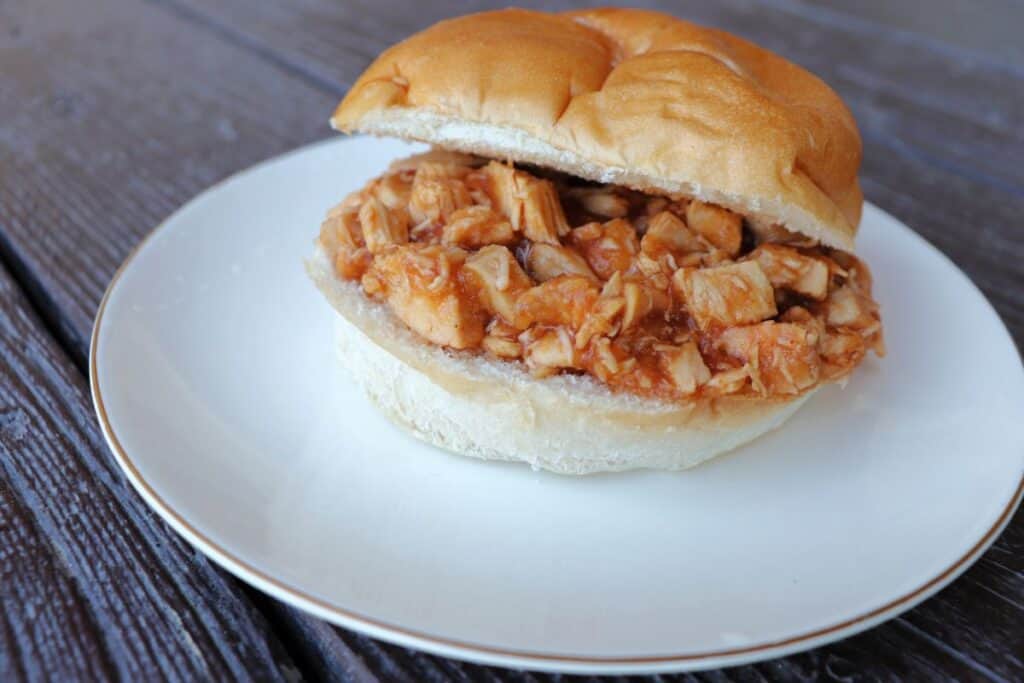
x: 44, y: 617
x: 94, y: 584
x: 114, y: 112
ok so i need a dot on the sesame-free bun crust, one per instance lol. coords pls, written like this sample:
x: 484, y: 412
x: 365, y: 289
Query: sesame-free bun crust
x: 629, y: 97
x: 491, y: 409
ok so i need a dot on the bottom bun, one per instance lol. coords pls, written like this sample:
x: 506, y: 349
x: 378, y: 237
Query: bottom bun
x: 473, y: 405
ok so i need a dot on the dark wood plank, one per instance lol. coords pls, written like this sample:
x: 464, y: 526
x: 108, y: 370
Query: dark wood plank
x: 94, y: 585
x: 988, y: 27
x: 96, y: 146
x: 114, y: 113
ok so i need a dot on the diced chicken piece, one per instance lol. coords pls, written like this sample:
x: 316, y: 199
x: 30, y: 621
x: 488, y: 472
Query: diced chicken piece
x: 620, y: 307
x: 715, y: 257
x: 436, y: 156
x: 815, y: 326
x: 504, y: 187
x: 383, y: 227
x: 422, y: 287
x: 779, y: 356
x: 502, y: 340
x: 667, y: 234
x: 652, y: 206
x: 720, y: 227
x: 603, y: 361
x: 478, y: 182
x: 547, y: 261
x: 351, y: 265
x: 685, y: 367
x: 604, y: 318
x: 601, y: 202
x: 852, y: 307
x: 373, y: 286
x: 607, y: 248
x: 565, y: 300
x: 341, y: 230
x: 501, y: 347
x: 544, y: 220
x: 641, y: 300
x: 736, y: 294
x: 477, y: 226
x: 495, y: 275
x: 392, y: 190
x: 639, y: 377
x: 499, y: 328
x: 530, y: 204
x: 341, y: 237
x: 614, y: 286
x: 855, y: 270
x: 657, y: 273
x: 849, y: 308
x: 727, y: 381
x: 841, y: 352
x: 789, y: 269
x: 693, y: 261
x: 777, y: 234
x: 435, y: 197
x: 551, y: 351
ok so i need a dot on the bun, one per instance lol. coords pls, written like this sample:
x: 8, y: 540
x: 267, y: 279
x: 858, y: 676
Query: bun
x: 629, y: 97
x: 495, y: 410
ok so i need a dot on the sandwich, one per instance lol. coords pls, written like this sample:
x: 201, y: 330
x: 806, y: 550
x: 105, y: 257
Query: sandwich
x: 630, y: 243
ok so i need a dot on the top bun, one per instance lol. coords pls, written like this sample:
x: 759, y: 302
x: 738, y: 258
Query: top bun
x: 628, y: 97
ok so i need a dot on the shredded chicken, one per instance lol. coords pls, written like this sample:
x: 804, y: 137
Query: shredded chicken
x: 475, y: 227
x: 735, y: 294
x: 497, y: 279
x: 668, y: 235
x: 342, y: 235
x: 660, y: 297
x: 607, y: 247
x: 502, y: 340
x: 551, y: 351
x: 437, y: 193
x: 721, y: 227
x: 780, y: 358
x: 548, y: 261
x: 788, y: 268
x: 565, y: 300
x: 422, y: 287
x: 530, y: 204
x: 686, y: 367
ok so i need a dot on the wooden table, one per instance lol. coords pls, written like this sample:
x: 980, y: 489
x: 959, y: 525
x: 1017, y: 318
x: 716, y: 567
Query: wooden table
x: 114, y: 112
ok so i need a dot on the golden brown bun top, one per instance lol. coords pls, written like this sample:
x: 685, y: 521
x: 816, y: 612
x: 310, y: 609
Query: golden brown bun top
x: 627, y: 96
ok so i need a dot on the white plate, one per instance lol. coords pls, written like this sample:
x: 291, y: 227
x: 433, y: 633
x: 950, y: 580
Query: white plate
x: 215, y: 381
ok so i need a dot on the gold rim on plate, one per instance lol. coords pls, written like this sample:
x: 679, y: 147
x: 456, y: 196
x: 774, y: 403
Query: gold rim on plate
x: 349, y: 619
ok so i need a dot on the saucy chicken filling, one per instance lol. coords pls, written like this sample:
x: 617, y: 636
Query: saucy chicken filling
x: 662, y: 298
